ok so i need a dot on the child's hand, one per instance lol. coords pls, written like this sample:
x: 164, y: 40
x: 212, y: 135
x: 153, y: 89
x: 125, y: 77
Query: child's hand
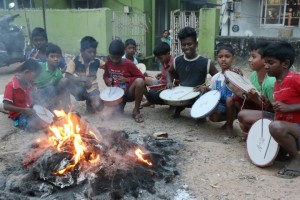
x: 201, y: 88
x: 252, y: 94
x: 29, y: 111
x: 109, y: 82
x: 122, y: 79
x: 281, y: 107
x: 265, y: 101
x: 158, y: 76
x: 88, y: 84
x: 237, y: 70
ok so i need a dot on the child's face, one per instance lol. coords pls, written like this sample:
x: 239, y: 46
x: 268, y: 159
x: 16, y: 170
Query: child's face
x: 188, y: 46
x: 53, y: 59
x: 164, y: 58
x: 255, y: 61
x: 225, y: 59
x: 29, y: 76
x: 88, y: 54
x: 115, y: 59
x: 274, y: 67
x: 130, y: 50
x: 39, y: 42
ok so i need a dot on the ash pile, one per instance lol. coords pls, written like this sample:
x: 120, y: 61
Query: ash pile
x: 103, y: 164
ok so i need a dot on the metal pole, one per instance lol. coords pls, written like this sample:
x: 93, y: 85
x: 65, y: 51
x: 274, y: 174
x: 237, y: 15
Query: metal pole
x: 44, y: 15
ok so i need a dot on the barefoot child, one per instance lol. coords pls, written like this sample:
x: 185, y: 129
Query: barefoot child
x: 225, y: 109
x: 126, y: 76
x: 279, y: 57
x: 82, y: 74
x: 263, y: 84
x: 18, y: 96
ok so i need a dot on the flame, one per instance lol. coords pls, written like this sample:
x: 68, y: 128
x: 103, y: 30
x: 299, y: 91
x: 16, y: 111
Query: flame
x: 139, y: 153
x: 68, y: 135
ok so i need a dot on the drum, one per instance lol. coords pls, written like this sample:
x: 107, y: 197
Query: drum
x: 141, y: 67
x: 238, y: 84
x: 112, y: 96
x: 179, y: 96
x: 261, y: 147
x: 1, y: 104
x: 206, y: 104
x: 44, y: 115
x: 157, y: 87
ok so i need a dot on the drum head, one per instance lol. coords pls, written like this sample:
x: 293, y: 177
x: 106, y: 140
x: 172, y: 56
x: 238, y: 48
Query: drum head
x: 238, y: 80
x: 261, y: 147
x: 205, y: 104
x: 43, y: 113
x: 112, y: 94
x: 141, y: 67
x: 1, y: 104
x: 179, y: 93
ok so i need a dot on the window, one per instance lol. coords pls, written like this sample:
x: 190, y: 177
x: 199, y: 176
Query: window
x: 280, y: 12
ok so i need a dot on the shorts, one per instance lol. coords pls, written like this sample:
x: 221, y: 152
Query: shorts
x: 298, y: 143
x: 221, y: 107
x: 21, y: 121
x: 127, y: 97
x: 81, y: 94
x: 269, y: 115
x: 153, y: 97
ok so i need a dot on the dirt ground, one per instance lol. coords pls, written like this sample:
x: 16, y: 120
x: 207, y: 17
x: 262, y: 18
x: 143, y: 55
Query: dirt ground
x: 212, y: 165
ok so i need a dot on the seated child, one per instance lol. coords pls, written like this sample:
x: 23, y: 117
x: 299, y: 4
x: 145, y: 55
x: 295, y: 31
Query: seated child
x: 225, y: 109
x: 52, y: 87
x: 264, y: 84
x: 38, y: 52
x: 130, y: 49
x: 17, y: 97
x: 162, y: 53
x: 82, y: 74
x: 126, y: 76
x: 190, y: 68
x: 279, y: 57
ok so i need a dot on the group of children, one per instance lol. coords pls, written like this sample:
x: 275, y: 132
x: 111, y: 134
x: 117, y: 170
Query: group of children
x: 276, y: 94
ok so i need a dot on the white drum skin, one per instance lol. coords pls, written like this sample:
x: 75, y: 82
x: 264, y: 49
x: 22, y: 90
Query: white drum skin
x: 179, y: 96
x: 112, y: 96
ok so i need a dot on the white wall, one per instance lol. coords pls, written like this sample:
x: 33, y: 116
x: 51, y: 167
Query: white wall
x: 247, y: 17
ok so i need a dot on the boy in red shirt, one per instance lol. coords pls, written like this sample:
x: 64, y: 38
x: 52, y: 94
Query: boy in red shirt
x: 127, y: 76
x: 279, y: 57
x: 17, y: 97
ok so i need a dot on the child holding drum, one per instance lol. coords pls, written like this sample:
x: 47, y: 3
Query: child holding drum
x: 18, y: 99
x: 252, y: 109
x: 225, y: 110
x: 279, y: 57
x: 125, y: 75
x: 82, y: 75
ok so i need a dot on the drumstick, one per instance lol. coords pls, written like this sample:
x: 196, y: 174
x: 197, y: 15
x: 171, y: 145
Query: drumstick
x: 268, y: 146
x: 185, y: 94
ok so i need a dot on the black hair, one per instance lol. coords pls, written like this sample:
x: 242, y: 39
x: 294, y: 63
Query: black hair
x: 161, y: 48
x: 88, y: 42
x: 227, y: 47
x: 187, y: 32
x: 130, y: 42
x: 259, y: 46
x: 281, y: 50
x: 39, y: 32
x: 166, y: 31
x: 116, y: 48
x: 53, y: 48
x: 30, y: 65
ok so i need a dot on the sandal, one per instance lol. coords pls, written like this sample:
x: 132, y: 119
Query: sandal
x: 138, y: 117
x: 288, y: 173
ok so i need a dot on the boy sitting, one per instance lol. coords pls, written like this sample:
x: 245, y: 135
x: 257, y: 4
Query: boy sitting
x: 17, y: 96
x: 279, y: 57
x: 82, y: 73
x: 50, y: 83
x: 38, y: 52
x: 127, y: 76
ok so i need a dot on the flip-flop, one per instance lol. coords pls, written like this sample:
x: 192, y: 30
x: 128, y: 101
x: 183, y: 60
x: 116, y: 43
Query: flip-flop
x: 288, y: 173
x: 138, y: 117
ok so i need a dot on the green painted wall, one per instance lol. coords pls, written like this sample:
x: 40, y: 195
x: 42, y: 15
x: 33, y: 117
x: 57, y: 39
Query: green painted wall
x: 67, y: 27
x: 209, y: 29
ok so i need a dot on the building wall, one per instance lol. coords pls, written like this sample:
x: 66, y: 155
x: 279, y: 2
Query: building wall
x: 247, y: 17
x: 67, y: 27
